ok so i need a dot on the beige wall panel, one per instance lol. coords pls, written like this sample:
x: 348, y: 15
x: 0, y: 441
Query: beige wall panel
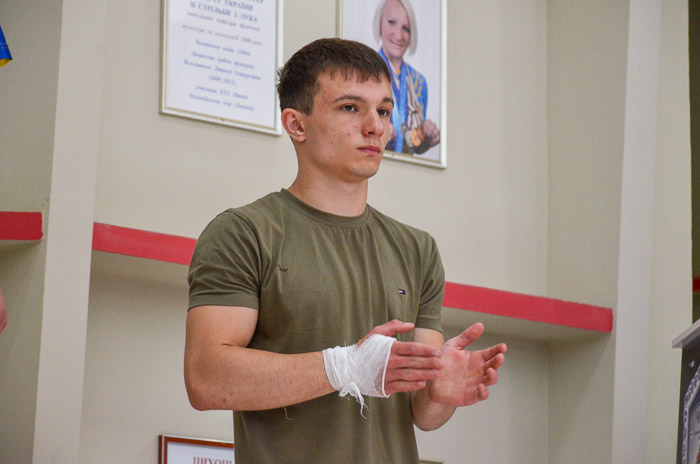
x: 28, y: 86
x: 586, y: 78
x: 134, y: 386
x: 671, y: 291
x: 587, y: 56
x: 22, y: 281
x: 27, y: 114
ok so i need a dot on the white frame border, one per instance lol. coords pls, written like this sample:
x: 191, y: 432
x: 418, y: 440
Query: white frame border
x: 276, y: 129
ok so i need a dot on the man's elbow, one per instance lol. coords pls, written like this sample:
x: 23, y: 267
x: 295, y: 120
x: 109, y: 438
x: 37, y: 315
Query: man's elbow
x: 206, y: 396
x: 426, y: 426
x: 197, y: 396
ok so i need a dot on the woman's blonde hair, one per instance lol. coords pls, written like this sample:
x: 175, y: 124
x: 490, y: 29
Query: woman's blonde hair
x: 411, y: 19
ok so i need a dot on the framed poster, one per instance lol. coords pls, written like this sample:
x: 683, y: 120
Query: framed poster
x: 689, y: 411
x: 219, y: 61
x: 411, y: 36
x: 181, y: 450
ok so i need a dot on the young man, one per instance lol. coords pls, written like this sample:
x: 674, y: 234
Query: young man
x: 277, y: 284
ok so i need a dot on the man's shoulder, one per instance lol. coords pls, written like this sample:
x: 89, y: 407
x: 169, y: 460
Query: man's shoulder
x: 253, y: 216
x: 400, y: 229
x: 262, y: 209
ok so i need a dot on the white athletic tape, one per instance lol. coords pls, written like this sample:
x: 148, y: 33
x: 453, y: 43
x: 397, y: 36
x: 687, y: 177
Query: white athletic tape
x: 359, y: 370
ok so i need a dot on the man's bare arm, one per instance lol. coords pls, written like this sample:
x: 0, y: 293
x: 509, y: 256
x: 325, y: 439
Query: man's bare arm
x: 428, y: 415
x: 222, y: 373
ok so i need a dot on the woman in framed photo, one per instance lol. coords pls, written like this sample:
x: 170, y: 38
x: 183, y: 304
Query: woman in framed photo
x: 395, y: 29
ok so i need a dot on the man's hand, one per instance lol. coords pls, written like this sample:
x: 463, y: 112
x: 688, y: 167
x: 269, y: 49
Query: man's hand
x: 411, y: 364
x: 466, y: 375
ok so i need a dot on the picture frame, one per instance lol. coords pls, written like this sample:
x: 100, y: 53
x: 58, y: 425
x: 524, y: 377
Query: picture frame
x: 219, y: 62
x: 183, y: 450
x: 421, y: 59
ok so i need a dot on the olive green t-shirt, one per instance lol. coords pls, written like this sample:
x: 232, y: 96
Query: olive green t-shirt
x: 318, y: 281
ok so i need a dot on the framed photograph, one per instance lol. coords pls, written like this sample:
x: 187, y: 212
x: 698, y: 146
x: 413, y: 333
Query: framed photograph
x: 219, y: 62
x: 411, y: 36
x: 181, y: 450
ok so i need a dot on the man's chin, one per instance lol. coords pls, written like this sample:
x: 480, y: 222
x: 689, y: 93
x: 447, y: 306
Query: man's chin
x: 368, y: 170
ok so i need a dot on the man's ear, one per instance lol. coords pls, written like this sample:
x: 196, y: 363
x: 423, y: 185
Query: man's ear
x: 293, y: 122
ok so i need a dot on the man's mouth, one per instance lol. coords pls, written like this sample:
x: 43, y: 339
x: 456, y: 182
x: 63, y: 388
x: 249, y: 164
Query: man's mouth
x: 372, y: 149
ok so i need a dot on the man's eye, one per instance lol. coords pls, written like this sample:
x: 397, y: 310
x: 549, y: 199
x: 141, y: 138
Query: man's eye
x: 384, y: 113
x: 349, y: 108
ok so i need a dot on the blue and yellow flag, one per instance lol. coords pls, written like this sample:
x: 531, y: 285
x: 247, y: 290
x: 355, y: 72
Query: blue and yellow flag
x: 5, y: 55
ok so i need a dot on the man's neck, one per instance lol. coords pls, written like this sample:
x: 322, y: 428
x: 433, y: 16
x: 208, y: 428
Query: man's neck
x: 333, y: 198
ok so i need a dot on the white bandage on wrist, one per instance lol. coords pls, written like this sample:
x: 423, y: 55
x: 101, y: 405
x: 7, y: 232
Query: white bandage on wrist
x: 359, y: 370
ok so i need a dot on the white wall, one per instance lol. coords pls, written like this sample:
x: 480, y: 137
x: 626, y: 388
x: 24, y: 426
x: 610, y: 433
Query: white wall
x: 530, y: 202
x: 134, y: 388
x: 28, y: 86
x: 27, y: 115
x: 671, y: 289
x: 587, y: 55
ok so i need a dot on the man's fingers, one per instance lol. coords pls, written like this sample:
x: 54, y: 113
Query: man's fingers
x: 490, y: 377
x: 392, y: 328
x: 406, y: 357
x: 410, y: 365
x: 495, y: 354
x: 389, y: 329
x: 410, y: 375
x: 399, y: 362
x: 482, y: 392
x: 408, y: 379
x: 496, y: 361
x: 495, y: 350
x: 410, y: 349
x: 467, y: 337
x: 404, y: 386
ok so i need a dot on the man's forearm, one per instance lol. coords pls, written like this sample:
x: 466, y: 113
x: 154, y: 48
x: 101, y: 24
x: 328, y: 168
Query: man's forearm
x: 428, y: 415
x: 241, y: 379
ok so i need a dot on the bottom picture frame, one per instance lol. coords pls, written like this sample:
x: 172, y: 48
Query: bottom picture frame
x: 184, y: 450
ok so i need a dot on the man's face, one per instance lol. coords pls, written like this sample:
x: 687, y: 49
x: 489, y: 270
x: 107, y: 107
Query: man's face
x: 348, y: 127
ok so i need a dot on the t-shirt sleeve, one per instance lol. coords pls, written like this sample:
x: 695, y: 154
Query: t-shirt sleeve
x: 225, y: 266
x: 433, y: 290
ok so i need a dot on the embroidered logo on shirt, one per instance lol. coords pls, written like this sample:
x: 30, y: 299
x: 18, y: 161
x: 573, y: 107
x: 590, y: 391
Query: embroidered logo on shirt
x: 402, y: 291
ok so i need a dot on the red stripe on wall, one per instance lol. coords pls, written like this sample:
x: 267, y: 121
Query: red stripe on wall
x: 178, y: 250
x: 20, y: 226
x: 142, y: 244
x: 532, y: 308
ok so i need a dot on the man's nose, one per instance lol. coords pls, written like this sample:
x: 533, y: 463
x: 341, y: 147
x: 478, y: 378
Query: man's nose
x: 373, y: 124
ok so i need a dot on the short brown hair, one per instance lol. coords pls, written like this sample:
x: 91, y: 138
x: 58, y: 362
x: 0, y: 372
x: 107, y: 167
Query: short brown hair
x: 298, y: 78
